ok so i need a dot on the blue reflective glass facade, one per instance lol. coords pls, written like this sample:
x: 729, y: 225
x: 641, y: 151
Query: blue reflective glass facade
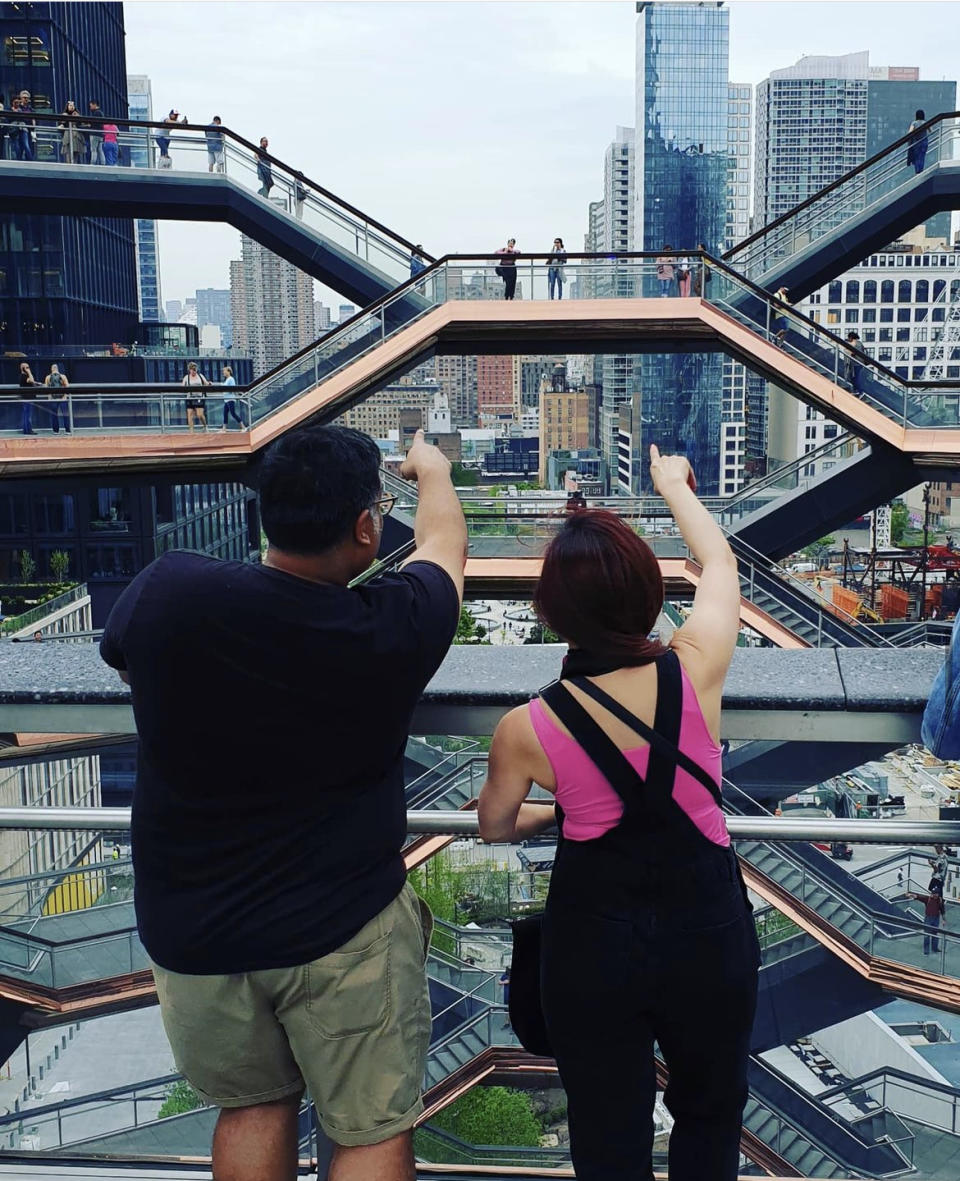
x: 65, y: 280
x: 890, y: 110
x: 682, y: 164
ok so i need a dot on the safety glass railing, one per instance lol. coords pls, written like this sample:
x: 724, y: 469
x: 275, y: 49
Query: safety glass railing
x: 800, y: 473
x: 217, y: 152
x: 869, y: 185
x: 173, y: 410
x: 475, y: 890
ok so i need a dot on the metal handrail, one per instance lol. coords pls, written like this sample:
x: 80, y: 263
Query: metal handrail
x: 897, y: 145
x: 757, y: 828
x: 84, y: 120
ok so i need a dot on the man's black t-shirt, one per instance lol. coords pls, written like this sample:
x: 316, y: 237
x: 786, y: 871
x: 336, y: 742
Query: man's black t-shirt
x: 268, y: 815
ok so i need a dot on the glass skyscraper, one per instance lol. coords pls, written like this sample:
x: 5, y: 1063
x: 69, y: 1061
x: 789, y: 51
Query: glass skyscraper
x: 140, y: 105
x: 65, y: 280
x: 682, y: 167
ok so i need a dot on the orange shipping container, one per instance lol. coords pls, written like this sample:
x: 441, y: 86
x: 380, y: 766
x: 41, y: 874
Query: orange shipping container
x: 894, y: 602
x: 846, y: 599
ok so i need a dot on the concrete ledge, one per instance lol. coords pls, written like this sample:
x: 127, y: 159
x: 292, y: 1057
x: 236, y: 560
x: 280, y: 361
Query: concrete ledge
x: 809, y: 695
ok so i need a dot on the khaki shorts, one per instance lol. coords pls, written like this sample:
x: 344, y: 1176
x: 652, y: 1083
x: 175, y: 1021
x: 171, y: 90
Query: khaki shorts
x: 352, y: 1026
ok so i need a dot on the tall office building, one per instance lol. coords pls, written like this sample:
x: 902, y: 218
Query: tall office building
x: 816, y: 120
x: 140, y: 106
x: 739, y: 127
x: 498, y: 389
x: 68, y: 280
x: 682, y: 175
x: 613, y: 226
x: 457, y: 377
x: 213, y: 307
x: 271, y: 305
x: 820, y: 118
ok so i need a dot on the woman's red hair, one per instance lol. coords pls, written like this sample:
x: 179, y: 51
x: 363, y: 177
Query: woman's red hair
x: 601, y: 589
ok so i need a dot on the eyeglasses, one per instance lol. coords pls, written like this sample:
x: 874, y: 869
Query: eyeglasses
x: 385, y: 503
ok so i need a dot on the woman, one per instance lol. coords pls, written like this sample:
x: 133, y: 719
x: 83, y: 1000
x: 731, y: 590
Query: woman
x: 163, y: 141
x: 507, y: 268
x: 647, y: 934
x: 704, y: 275
x: 28, y: 394
x: 196, y: 404
x: 230, y: 403
x: 72, y: 142
x: 55, y: 380
x: 556, y: 260
x: 684, y: 277
x: 917, y: 147
x: 779, y: 320
x: 665, y: 270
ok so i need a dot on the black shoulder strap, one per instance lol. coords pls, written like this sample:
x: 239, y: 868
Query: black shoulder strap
x: 610, y: 761
x: 664, y: 734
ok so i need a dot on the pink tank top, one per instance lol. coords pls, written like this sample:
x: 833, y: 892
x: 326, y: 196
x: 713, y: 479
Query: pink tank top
x: 590, y: 805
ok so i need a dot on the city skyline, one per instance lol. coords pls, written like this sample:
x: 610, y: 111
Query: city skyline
x: 517, y: 160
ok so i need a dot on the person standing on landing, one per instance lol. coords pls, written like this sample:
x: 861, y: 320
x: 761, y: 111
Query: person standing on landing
x: 196, y: 400
x: 507, y: 267
x: 644, y: 876
x: 271, y: 892
x: 556, y: 261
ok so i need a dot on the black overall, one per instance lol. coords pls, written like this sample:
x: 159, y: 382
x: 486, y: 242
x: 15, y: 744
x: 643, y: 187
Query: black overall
x: 648, y: 936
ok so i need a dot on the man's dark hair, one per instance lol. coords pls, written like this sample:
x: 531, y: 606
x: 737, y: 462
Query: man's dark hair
x: 314, y: 483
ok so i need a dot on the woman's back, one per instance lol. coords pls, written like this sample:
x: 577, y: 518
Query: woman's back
x: 590, y: 805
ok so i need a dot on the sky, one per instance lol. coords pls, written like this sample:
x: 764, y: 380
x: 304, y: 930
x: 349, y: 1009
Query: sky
x: 459, y: 124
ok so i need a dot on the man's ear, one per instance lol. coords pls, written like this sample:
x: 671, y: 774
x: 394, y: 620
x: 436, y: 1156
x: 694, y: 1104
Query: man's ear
x: 365, y: 529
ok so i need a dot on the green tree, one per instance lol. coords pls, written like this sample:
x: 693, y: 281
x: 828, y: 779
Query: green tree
x: 541, y: 634
x: 27, y: 565
x: 899, y: 520
x: 492, y: 1115
x: 464, y: 477
x: 181, y: 1097
x: 60, y: 564
x: 468, y: 630
x: 819, y: 551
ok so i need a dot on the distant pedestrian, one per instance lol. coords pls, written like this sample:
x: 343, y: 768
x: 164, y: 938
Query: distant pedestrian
x: 556, y: 261
x: 230, y: 403
x: 163, y: 141
x: 28, y: 394
x: 703, y: 274
x: 196, y: 402
x: 417, y: 263
x: 684, y: 277
x: 264, y: 171
x: 214, y: 137
x: 665, y: 272
x: 780, y: 322
x: 72, y: 142
x: 934, y: 915
x: 28, y: 128
x: 852, y: 368
x: 504, y: 983
x: 57, y: 383
x: 111, y: 143
x: 4, y: 128
x: 576, y: 503
x: 300, y: 195
x: 507, y: 267
x: 95, y: 133
x: 917, y: 147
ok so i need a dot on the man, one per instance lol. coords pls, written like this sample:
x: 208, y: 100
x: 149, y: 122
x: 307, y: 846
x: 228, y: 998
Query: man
x: 273, y: 706
x: 264, y: 171
x: 95, y: 133
x: 934, y: 915
x: 853, y: 369
x: 214, y: 138
x: 28, y: 128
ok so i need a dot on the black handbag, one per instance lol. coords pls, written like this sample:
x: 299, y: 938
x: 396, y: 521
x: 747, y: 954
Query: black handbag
x: 526, y: 1003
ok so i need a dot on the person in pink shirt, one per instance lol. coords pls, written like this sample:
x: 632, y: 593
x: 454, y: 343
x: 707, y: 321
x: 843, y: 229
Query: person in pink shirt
x: 111, y: 143
x: 648, y: 934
